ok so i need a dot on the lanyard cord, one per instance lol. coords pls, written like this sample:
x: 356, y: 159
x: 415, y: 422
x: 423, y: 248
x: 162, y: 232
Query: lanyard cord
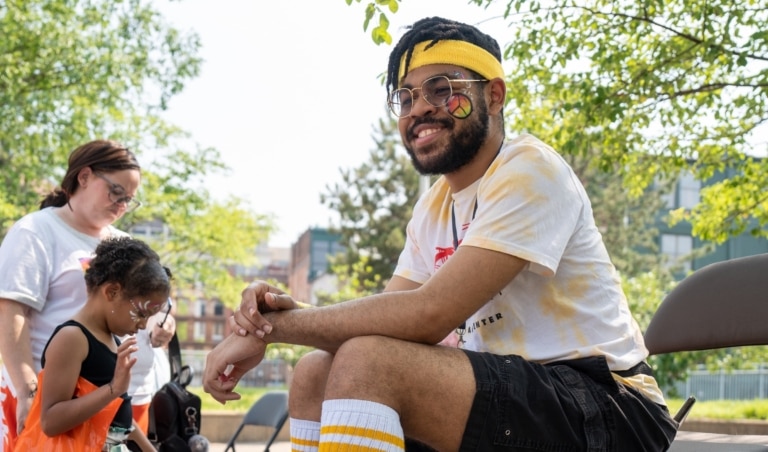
x: 474, y: 210
x: 453, y: 223
x: 462, y: 328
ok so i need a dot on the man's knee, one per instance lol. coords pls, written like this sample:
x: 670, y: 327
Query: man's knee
x: 312, y: 369
x: 308, y: 385
x: 365, y: 360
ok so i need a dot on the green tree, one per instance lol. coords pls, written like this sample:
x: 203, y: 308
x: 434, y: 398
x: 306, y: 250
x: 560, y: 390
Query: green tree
x: 355, y: 280
x: 374, y: 202
x: 625, y: 222
x: 203, y: 238
x: 72, y: 71
x: 683, y: 80
x: 633, y: 94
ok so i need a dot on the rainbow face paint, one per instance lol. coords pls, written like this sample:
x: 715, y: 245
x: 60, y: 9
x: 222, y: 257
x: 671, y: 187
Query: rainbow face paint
x: 459, y: 106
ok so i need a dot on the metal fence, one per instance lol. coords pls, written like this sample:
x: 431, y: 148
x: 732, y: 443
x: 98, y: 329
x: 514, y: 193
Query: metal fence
x: 726, y: 385
x: 272, y: 372
x: 705, y: 385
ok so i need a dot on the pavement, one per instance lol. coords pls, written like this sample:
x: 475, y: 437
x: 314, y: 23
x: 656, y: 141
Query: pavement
x: 685, y: 442
x: 277, y: 446
x: 717, y: 442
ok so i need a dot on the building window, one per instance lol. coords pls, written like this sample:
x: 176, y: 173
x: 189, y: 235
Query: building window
x: 199, y: 313
x: 677, y: 250
x: 689, y: 191
x: 686, y: 193
x: 218, y: 322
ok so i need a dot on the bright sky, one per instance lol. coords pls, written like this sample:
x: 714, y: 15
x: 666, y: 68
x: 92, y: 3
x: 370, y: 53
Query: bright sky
x: 289, y: 93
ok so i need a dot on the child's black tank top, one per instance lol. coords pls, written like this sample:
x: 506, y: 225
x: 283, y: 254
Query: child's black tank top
x: 99, y: 368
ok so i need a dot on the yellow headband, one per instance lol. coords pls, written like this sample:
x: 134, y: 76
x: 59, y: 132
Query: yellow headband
x: 459, y: 53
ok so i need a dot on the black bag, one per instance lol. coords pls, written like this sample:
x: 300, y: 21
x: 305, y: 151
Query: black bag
x: 174, y: 413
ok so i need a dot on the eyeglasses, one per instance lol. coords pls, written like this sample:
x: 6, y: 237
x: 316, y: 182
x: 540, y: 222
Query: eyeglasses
x: 168, y: 311
x: 142, y: 312
x: 437, y: 91
x: 117, y: 194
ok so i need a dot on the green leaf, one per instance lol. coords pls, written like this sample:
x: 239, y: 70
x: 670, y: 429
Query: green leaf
x: 370, y: 10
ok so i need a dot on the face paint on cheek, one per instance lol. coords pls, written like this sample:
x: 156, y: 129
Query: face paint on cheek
x: 459, y: 106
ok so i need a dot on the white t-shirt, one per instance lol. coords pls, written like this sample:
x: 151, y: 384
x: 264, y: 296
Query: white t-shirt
x: 42, y: 263
x: 568, y: 302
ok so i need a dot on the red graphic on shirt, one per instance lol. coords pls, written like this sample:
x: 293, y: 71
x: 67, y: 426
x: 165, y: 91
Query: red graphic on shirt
x: 9, y: 417
x: 442, y: 255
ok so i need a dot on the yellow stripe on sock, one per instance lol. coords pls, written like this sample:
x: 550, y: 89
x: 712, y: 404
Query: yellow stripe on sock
x: 377, y: 435
x: 346, y: 447
x: 303, y: 442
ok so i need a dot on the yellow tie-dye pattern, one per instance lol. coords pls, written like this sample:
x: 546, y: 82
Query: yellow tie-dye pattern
x: 518, y: 337
x: 578, y: 287
x: 441, y: 202
x: 527, y: 187
x: 567, y: 302
x: 645, y: 384
x: 360, y: 432
x: 557, y: 305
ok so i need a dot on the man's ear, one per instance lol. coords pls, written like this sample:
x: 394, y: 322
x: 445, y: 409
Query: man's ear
x: 498, y: 95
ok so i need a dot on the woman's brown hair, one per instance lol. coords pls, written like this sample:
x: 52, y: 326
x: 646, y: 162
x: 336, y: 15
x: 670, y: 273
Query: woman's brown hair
x: 100, y: 155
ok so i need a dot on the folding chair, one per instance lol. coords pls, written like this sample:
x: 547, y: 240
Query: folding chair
x: 271, y: 410
x: 724, y: 304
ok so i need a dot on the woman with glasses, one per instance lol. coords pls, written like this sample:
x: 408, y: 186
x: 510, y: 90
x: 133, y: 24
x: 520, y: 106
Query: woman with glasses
x: 43, y: 258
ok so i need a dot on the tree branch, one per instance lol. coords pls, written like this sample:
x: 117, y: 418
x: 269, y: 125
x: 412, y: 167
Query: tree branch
x: 676, y: 32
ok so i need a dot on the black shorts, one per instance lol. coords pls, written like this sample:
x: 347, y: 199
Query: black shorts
x: 567, y: 406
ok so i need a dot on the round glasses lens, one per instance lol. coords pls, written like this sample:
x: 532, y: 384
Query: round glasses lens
x: 437, y: 90
x: 400, y: 102
x: 126, y: 201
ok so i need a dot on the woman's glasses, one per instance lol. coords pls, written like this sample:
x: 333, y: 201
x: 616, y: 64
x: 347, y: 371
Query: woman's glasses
x: 436, y: 90
x: 117, y: 194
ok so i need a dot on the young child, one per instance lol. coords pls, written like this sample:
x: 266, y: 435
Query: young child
x: 83, y: 400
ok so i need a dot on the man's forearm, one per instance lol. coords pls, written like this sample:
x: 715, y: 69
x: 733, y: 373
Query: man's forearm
x: 407, y: 311
x: 328, y: 327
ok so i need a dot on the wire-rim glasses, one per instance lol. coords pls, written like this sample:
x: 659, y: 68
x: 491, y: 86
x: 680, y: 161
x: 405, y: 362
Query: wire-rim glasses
x: 436, y: 91
x: 117, y: 194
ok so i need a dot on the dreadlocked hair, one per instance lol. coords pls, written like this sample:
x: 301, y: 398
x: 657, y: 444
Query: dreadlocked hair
x: 435, y: 29
x: 131, y: 263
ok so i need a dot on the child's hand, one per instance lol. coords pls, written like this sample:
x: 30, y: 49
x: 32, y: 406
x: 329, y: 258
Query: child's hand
x: 125, y: 361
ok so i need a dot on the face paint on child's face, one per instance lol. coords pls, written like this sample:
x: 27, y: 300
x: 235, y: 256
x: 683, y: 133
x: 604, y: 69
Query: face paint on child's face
x: 144, y: 310
x: 459, y: 106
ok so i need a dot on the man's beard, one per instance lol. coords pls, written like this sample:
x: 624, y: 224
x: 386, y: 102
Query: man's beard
x: 461, y: 149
